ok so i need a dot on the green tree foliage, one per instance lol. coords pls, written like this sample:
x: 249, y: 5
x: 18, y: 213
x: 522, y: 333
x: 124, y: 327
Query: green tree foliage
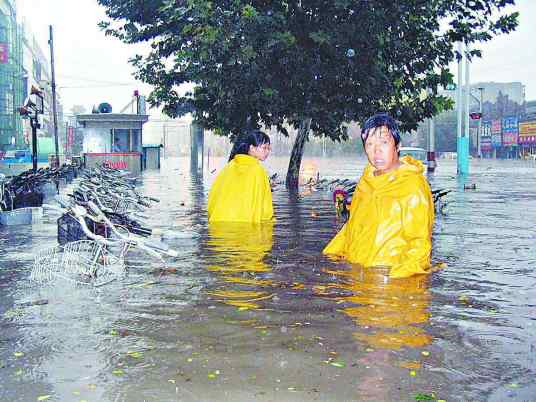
x: 308, y: 63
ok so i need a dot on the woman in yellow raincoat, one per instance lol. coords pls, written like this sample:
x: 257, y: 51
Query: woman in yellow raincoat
x: 241, y: 191
x: 392, y: 211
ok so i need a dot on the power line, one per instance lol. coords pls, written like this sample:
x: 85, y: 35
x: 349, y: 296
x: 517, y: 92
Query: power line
x: 98, y: 86
x: 92, y: 80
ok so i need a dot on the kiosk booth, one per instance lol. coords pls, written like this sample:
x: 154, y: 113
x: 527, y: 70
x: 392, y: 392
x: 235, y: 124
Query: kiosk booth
x: 114, y: 139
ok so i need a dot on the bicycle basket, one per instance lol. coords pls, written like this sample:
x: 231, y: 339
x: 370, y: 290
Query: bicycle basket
x: 69, y: 229
x: 82, y: 262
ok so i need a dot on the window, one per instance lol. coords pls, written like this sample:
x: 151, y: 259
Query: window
x: 121, y: 140
x: 135, y: 140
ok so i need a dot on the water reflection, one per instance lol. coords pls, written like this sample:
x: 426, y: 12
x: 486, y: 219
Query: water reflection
x: 239, y: 251
x: 389, y: 313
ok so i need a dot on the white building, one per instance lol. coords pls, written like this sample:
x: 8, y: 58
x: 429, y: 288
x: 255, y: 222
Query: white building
x: 37, y: 73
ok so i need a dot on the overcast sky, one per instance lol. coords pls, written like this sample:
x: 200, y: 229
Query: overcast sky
x: 92, y: 68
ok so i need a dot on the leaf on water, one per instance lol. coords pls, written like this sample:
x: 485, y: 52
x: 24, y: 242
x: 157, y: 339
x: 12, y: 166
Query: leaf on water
x: 92, y: 386
x: 113, y: 332
x: 144, y: 284
x: 18, y: 354
x: 18, y: 372
x: 76, y: 392
x: 135, y: 354
x: 338, y: 364
x: 513, y: 385
x: 424, y: 397
x: 425, y: 353
x: 410, y: 364
x: 44, y: 397
x: 118, y: 372
x: 413, y: 373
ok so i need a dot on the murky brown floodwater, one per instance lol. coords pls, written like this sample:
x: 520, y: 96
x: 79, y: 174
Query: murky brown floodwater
x: 257, y: 314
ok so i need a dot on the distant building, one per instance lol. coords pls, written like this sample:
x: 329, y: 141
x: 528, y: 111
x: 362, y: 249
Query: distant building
x: 11, y: 77
x: 514, y: 90
x: 530, y: 110
x: 173, y: 134
x: 37, y: 73
x: 502, y: 104
x: 22, y: 64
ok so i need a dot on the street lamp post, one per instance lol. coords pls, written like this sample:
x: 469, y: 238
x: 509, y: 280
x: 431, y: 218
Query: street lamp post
x: 32, y: 110
x: 479, y: 117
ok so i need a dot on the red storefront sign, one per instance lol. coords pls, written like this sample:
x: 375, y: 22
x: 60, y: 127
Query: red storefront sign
x: 130, y: 161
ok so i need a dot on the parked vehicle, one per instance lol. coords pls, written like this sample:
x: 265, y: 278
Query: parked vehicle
x: 415, y: 153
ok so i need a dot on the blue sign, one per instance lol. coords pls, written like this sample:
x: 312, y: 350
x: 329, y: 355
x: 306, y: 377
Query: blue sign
x: 510, y: 131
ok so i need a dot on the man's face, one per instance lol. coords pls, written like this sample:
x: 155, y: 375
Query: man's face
x: 381, y: 150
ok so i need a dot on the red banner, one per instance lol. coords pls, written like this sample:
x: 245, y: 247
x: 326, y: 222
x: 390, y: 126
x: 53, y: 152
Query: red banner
x: 4, y: 53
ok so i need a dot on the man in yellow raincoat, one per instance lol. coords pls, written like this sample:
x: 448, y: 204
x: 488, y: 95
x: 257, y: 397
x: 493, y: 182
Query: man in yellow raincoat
x: 241, y: 191
x: 392, y: 211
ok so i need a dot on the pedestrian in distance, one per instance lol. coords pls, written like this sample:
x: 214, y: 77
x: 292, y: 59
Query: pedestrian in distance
x: 392, y: 210
x: 241, y: 192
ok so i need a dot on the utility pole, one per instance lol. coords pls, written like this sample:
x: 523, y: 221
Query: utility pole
x: 459, y: 109
x: 463, y: 137
x: 467, y: 105
x: 55, y: 117
x: 430, y: 155
x: 478, y: 136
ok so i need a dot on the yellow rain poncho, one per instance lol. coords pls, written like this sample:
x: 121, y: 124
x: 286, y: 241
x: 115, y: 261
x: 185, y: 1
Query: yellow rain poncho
x: 241, y: 193
x: 390, y: 223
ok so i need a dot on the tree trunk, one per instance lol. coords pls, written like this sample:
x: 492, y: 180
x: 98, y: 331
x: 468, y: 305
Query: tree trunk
x: 293, y: 173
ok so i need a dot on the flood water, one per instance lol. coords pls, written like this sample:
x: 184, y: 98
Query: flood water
x: 258, y: 314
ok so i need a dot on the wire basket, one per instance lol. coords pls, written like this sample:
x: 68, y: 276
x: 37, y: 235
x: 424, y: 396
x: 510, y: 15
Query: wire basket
x: 70, y: 230
x: 84, y: 262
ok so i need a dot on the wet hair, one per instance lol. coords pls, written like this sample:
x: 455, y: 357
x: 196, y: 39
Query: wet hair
x: 377, y: 121
x: 244, y: 141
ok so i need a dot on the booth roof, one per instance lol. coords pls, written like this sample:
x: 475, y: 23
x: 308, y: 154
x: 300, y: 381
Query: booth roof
x: 113, y: 117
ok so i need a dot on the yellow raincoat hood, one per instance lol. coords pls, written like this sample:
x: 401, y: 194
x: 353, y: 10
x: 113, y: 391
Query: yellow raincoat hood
x: 391, y: 219
x: 241, y: 193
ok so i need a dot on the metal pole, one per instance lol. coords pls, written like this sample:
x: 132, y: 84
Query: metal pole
x: 459, y: 109
x: 53, y: 74
x: 33, y: 124
x: 466, y: 136
x: 480, y: 123
x: 431, y: 146
x: 463, y: 138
